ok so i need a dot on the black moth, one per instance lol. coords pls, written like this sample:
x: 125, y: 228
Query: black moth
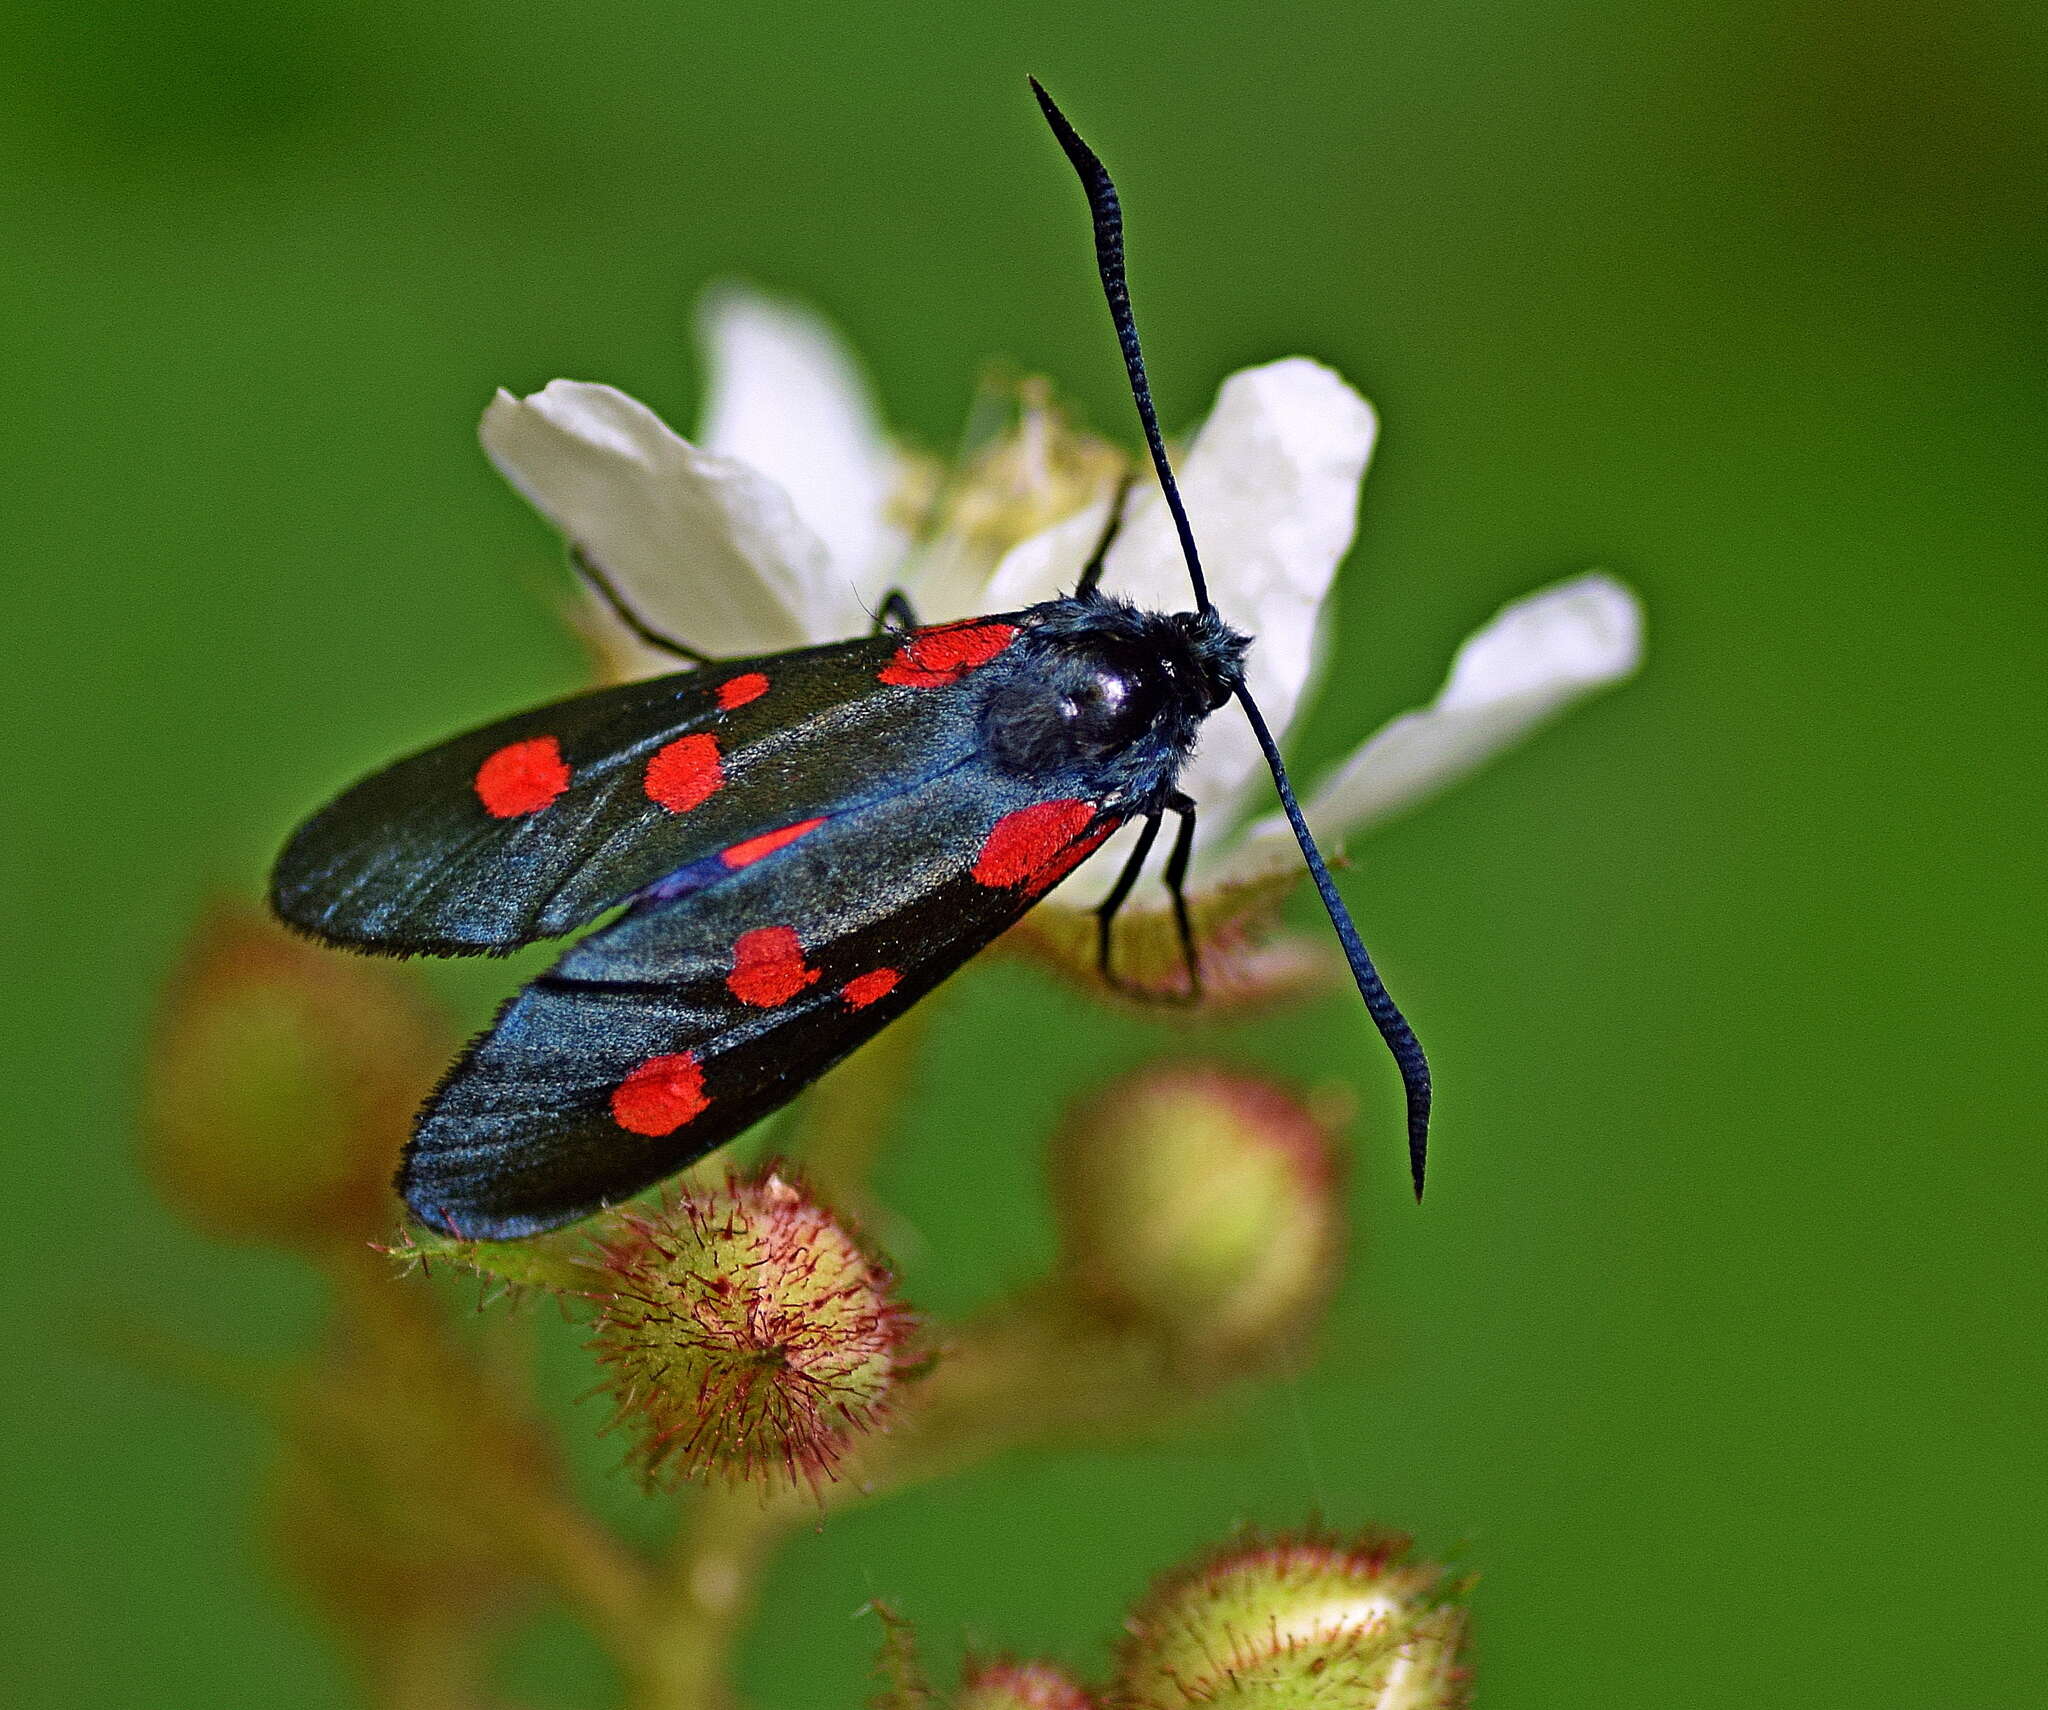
x: 806, y: 844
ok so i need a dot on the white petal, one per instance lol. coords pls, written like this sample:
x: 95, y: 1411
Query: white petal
x: 704, y: 548
x: 1271, y: 486
x: 786, y: 397
x: 1525, y: 667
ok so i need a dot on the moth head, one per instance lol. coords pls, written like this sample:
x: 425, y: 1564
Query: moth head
x: 1214, y: 656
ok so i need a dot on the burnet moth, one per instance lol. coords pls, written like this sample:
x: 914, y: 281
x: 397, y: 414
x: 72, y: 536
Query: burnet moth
x: 804, y: 845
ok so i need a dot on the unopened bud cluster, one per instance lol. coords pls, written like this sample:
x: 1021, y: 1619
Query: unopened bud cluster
x: 745, y: 1333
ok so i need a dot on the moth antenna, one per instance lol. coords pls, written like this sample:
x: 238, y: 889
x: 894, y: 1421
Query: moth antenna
x: 1109, y: 262
x: 1379, y: 1004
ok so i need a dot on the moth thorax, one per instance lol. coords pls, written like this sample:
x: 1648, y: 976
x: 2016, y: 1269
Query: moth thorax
x: 1083, y: 701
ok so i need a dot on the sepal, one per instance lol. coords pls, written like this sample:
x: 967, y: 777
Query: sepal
x: 1248, y: 960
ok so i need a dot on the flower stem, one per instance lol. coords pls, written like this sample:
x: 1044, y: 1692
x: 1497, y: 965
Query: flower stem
x: 707, y: 1594
x: 1028, y: 1371
x: 524, y: 1494
x: 430, y: 1665
x: 726, y: 1536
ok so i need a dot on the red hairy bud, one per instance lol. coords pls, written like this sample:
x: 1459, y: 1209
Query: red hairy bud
x: 1006, y: 1685
x: 746, y: 1334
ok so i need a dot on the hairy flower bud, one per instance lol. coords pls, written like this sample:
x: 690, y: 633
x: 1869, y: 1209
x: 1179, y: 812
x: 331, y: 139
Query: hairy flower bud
x: 1200, y: 1204
x: 746, y: 1334
x: 1007, y: 1685
x: 281, y: 1084
x: 1297, y: 1623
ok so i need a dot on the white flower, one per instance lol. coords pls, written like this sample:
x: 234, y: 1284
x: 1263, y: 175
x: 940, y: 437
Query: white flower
x: 791, y: 519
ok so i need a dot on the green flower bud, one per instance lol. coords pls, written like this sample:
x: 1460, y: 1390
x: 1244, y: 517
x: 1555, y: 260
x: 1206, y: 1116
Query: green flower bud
x: 1201, y: 1205
x: 1007, y: 1685
x: 1300, y: 1623
x: 282, y: 1084
x: 746, y: 1333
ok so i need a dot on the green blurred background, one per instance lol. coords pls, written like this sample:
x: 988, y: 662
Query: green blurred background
x: 1717, y: 1349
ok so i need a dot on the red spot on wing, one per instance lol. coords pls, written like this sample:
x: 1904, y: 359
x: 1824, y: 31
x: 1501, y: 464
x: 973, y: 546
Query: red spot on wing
x: 737, y: 691
x: 1040, y: 844
x: 1072, y: 856
x: 522, y: 777
x: 768, y: 967
x: 685, y: 773
x: 867, y: 988
x: 747, y: 853
x: 932, y: 658
x: 661, y: 1095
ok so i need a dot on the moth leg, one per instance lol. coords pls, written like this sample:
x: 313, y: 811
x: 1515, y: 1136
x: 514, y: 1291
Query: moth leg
x: 602, y: 586
x: 1091, y: 572
x: 1106, y: 910
x: 896, y: 612
x: 1176, y: 876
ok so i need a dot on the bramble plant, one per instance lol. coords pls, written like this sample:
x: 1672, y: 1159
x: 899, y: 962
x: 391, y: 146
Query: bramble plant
x: 759, y: 1362
x: 762, y: 1370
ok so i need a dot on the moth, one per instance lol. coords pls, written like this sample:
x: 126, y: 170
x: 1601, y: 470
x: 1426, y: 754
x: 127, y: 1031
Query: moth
x: 802, y: 845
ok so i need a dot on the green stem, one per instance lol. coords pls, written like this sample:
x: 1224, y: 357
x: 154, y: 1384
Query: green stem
x: 528, y: 1503
x: 726, y: 1536
x: 1033, y: 1370
x: 555, y: 1263
x: 707, y: 1595
x: 429, y: 1664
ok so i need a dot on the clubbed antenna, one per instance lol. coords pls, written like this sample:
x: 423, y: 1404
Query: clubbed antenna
x: 1386, y: 1014
x: 1109, y: 262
